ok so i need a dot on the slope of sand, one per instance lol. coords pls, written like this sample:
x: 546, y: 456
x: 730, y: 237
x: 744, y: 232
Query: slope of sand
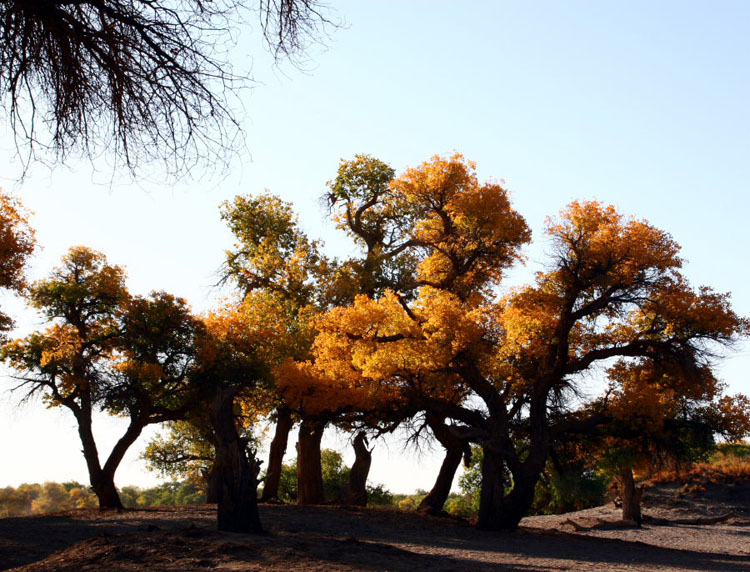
x: 332, y: 538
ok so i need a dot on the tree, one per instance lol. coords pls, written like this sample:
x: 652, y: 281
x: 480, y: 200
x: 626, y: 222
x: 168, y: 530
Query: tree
x: 658, y: 413
x: 505, y: 371
x: 456, y: 449
x: 16, y: 245
x: 403, y: 249
x: 186, y: 452
x: 277, y: 271
x: 273, y: 258
x: 143, y: 80
x: 357, y: 493
x: 106, y: 350
x: 241, y: 346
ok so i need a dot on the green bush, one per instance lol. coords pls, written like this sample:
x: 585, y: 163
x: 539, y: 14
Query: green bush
x: 460, y: 505
x: 575, y: 489
x: 740, y: 450
x: 379, y: 496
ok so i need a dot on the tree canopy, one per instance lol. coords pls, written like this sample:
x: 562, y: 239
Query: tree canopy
x: 415, y: 326
x: 506, y: 370
x: 17, y: 243
x: 105, y: 350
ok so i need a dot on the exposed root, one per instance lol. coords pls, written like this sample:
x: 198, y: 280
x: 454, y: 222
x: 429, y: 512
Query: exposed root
x: 700, y: 520
x: 601, y: 524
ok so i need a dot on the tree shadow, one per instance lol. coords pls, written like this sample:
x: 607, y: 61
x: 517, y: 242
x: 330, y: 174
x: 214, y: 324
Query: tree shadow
x: 323, y: 538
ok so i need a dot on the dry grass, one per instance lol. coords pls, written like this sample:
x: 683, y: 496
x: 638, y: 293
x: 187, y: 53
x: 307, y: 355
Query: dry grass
x: 725, y: 467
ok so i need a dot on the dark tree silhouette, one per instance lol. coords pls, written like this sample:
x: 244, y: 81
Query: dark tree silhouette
x: 142, y: 79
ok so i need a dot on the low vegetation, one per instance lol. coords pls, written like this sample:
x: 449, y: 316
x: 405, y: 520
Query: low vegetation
x: 28, y: 499
x: 725, y: 464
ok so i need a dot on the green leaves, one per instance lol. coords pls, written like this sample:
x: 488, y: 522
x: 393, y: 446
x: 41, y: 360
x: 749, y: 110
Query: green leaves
x: 85, y: 289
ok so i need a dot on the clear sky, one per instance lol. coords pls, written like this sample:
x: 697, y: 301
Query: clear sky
x: 640, y: 104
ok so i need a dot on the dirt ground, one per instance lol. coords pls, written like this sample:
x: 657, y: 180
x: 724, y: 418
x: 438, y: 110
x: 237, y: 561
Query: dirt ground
x: 333, y: 538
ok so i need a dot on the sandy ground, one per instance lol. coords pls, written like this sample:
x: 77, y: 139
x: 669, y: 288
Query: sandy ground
x: 333, y: 538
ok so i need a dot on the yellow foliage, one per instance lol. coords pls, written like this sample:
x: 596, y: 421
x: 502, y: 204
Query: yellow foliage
x: 471, y: 232
x: 16, y: 243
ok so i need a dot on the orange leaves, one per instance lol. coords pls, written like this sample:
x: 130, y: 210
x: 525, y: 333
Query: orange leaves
x: 16, y: 243
x: 64, y: 345
x: 702, y: 314
x: 448, y: 325
x: 380, y: 340
x: 528, y: 319
x: 436, y: 242
x: 255, y: 328
x: 437, y: 181
x: 643, y: 396
x: 368, y: 354
x: 598, y: 248
x: 734, y: 416
x: 349, y: 361
x: 469, y: 229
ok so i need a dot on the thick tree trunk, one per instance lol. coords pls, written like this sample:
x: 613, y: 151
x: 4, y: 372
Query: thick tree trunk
x: 500, y: 511
x: 631, y: 497
x: 106, y: 492
x: 309, y: 471
x: 360, y: 471
x: 454, y: 451
x: 237, y: 470
x: 492, y: 493
x: 284, y: 424
x: 212, y: 481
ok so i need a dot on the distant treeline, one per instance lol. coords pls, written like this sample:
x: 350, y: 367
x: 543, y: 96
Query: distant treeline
x: 54, y: 497
x: 575, y: 488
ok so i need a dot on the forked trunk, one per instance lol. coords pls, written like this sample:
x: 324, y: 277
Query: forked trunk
x: 631, y: 496
x: 360, y: 471
x: 284, y: 425
x: 309, y: 470
x: 102, y: 483
x: 500, y: 511
x: 106, y: 492
x: 454, y: 450
x: 237, y: 470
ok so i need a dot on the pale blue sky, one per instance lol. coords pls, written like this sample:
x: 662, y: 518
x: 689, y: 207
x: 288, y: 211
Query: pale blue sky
x: 640, y: 104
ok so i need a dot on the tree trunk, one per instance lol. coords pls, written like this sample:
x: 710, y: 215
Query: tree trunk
x: 284, y: 424
x: 237, y: 469
x: 360, y: 470
x: 109, y: 497
x: 435, y: 499
x: 493, y: 489
x: 309, y: 470
x: 631, y: 497
x: 454, y: 450
x: 500, y: 511
x: 211, y: 479
x: 102, y: 484
x: 106, y: 492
